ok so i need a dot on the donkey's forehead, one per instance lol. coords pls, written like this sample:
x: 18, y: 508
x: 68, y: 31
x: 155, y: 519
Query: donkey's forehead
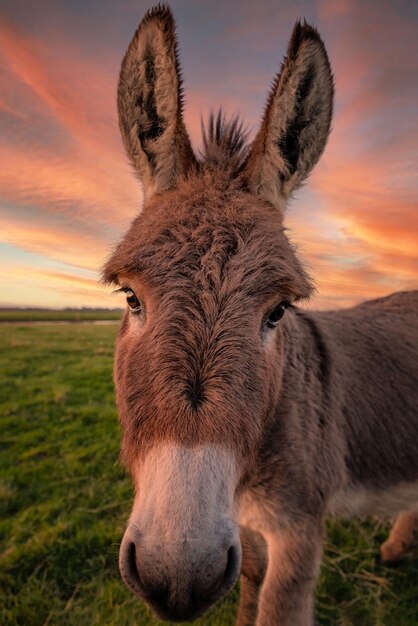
x: 207, y: 200
x: 180, y: 230
x: 210, y: 245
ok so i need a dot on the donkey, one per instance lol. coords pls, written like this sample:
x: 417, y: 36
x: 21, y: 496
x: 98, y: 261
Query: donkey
x: 246, y: 420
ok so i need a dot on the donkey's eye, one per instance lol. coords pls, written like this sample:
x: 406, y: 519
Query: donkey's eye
x: 276, y: 315
x: 132, y: 300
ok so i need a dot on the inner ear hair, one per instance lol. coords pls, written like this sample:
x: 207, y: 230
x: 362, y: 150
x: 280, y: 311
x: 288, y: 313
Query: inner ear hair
x: 150, y: 104
x: 296, y: 123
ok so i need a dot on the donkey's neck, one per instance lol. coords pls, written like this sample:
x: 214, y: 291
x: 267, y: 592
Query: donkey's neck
x: 304, y: 425
x: 338, y: 399
x: 307, y: 374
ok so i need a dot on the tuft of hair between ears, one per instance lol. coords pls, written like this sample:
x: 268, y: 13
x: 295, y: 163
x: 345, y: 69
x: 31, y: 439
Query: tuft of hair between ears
x: 224, y: 142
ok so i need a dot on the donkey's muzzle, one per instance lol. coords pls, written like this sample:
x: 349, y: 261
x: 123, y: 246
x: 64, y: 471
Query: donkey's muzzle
x: 180, y: 580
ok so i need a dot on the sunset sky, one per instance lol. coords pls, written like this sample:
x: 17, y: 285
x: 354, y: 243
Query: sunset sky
x: 67, y: 192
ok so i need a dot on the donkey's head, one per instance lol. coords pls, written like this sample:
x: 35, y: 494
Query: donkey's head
x: 208, y: 273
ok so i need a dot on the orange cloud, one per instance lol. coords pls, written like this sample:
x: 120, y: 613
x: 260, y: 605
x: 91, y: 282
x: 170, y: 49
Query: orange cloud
x: 38, y: 287
x: 62, y: 242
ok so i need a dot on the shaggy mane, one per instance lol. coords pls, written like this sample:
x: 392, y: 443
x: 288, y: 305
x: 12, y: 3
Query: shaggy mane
x: 224, y: 141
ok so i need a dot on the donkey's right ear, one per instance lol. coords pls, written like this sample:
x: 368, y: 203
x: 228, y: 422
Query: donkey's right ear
x: 150, y: 104
x: 296, y: 122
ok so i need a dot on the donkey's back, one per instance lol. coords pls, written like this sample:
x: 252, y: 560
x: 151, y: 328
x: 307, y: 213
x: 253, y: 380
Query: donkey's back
x: 374, y: 349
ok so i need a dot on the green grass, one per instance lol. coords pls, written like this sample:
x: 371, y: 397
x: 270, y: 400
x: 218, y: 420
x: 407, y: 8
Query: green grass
x: 52, y: 315
x: 64, y: 501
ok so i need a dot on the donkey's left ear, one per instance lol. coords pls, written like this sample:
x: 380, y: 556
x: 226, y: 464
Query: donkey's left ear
x: 296, y: 122
x: 150, y: 104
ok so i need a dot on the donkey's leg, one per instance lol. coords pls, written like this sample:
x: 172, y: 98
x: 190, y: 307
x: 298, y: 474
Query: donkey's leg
x: 287, y: 595
x: 254, y: 565
x: 402, y: 536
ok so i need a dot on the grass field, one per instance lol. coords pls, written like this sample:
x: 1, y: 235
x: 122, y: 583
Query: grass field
x: 65, y: 315
x: 64, y: 501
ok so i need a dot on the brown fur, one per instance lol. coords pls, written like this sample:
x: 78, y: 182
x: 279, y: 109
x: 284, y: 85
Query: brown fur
x: 317, y: 416
x: 150, y: 104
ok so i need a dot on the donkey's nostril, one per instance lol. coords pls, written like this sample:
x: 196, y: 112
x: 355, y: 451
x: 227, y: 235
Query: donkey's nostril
x: 129, y: 568
x: 131, y: 559
x: 232, y: 565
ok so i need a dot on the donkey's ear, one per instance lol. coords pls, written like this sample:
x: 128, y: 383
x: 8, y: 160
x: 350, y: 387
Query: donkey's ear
x: 150, y: 104
x: 297, y: 119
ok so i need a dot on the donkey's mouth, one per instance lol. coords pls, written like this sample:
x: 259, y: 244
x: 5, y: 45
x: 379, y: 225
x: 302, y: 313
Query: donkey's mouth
x: 179, y: 612
x: 192, y: 606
